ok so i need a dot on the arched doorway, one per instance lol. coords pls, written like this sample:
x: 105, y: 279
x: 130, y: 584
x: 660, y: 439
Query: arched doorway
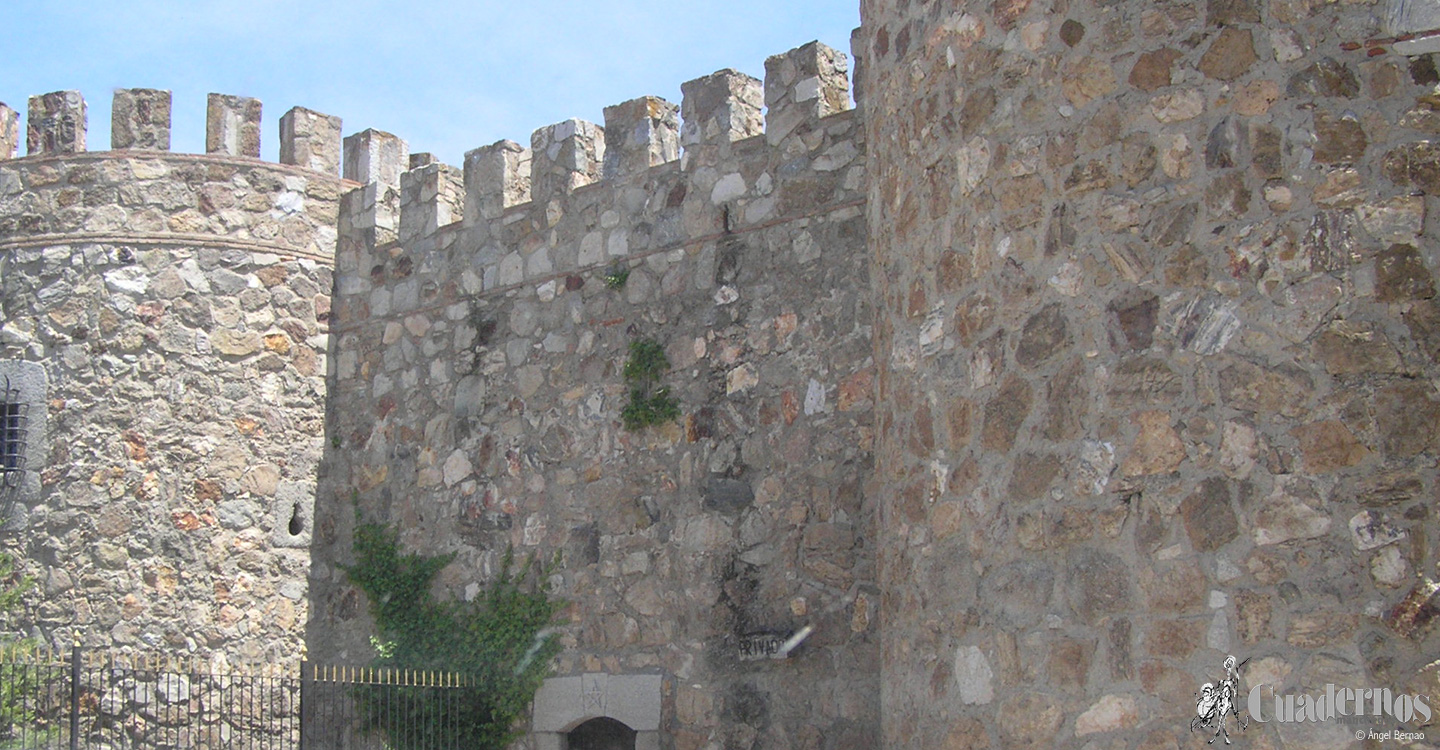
x: 603, y: 733
x: 566, y: 708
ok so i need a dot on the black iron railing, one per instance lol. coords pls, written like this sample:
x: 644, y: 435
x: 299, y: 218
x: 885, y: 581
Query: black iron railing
x: 412, y: 710
x: 97, y: 700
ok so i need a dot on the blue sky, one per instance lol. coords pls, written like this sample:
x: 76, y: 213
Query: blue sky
x: 445, y: 76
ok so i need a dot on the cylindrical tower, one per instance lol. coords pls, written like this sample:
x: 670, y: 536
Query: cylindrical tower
x: 164, y: 339
x: 1156, y: 334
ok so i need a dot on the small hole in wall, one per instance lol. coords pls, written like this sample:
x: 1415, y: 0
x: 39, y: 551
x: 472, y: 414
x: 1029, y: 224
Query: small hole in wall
x: 296, y: 525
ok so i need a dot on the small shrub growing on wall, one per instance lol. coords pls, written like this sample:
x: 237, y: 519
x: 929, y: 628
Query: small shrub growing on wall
x: 616, y: 277
x: 499, y: 642
x: 650, y: 402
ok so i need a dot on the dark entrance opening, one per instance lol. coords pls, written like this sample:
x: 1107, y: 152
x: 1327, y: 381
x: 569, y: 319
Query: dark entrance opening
x: 603, y: 733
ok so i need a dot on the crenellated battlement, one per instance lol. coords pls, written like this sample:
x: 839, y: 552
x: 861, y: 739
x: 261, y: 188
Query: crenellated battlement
x: 734, y: 153
x: 56, y: 124
x: 503, y: 190
x: 1104, y: 335
x: 225, y: 197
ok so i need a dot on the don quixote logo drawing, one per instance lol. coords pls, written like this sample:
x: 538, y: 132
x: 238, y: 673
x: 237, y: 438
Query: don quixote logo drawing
x: 1217, y: 702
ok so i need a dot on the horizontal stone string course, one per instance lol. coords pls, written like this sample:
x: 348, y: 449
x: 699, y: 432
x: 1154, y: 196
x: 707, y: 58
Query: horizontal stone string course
x: 161, y: 240
x: 1101, y: 344
x: 178, y: 200
x: 136, y: 155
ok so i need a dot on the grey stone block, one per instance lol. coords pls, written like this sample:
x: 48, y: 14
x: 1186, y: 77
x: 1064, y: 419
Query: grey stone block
x: 374, y: 156
x: 9, y: 131
x: 232, y: 125
x: 496, y: 177
x: 640, y: 134
x: 562, y: 703
x: 140, y: 118
x: 57, y: 124
x: 311, y: 140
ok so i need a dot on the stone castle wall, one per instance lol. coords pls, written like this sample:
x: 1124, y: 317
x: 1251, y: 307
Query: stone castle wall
x: 1156, y: 345
x: 1139, y: 371
x: 178, y: 306
x: 477, y: 393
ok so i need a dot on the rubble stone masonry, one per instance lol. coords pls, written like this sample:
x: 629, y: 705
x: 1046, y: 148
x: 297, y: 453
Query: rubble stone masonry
x: 1098, y: 342
x: 179, y: 305
x: 482, y: 321
x: 1156, y: 352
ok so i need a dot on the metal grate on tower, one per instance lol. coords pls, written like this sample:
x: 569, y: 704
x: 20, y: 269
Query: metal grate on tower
x: 13, y: 424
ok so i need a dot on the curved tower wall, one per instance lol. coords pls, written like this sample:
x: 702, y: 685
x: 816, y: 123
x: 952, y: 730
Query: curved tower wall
x: 170, y: 312
x: 1156, y: 347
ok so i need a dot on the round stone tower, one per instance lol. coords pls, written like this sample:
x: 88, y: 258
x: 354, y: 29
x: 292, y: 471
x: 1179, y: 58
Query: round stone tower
x: 163, y: 352
x: 1157, y: 342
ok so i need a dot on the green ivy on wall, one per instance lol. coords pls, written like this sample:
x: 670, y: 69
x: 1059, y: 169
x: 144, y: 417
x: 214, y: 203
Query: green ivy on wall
x: 650, y: 402
x: 501, y: 642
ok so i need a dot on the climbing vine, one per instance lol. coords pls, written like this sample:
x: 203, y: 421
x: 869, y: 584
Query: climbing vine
x: 650, y: 402
x: 500, y: 642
